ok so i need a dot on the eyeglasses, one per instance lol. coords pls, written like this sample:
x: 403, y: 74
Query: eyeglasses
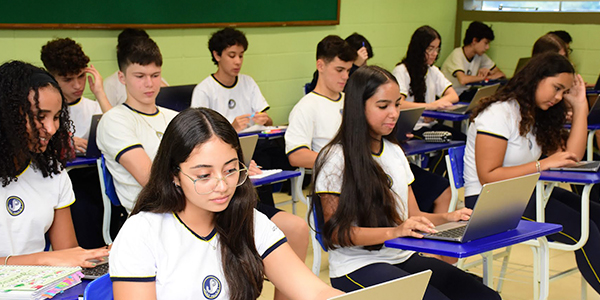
x: 430, y: 49
x: 207, y: 185
x: 570, y: 50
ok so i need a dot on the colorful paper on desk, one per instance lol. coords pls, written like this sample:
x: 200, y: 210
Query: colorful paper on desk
x: 36, y: 282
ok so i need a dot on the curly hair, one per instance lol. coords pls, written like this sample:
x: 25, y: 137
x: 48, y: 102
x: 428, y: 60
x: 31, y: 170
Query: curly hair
x: 64, y: 57
x: 547, y: 126
x: 415, y: 60
x: 225, y: 38
x: 16, y: 111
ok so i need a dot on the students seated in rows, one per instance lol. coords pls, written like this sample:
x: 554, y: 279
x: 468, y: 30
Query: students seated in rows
x: 65, y: 60
x: 129, y: 134
x: 34, y: 143
x: 364, y: 52
x: 362, y: 196
x: 115, y: 90
x: 194, y: 230
x: 236, y: 96
x: 315, y: 119
x: 510, y: 132
x: 469, y: 63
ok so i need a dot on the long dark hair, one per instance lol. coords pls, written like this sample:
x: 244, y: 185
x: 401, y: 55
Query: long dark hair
x: 192, y: 127
x: 415, y: 60
x: 366, y: 199
x: 17, y: 80
x: 547, y: 126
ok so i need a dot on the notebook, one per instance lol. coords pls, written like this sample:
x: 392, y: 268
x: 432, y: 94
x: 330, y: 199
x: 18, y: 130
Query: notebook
x: 498, y: 209
x: 36, y: 282
x: 482, y: 92
x: 92, y: 150
x: 407, y: 121
x: 411, y: 287
x: 580, y: 166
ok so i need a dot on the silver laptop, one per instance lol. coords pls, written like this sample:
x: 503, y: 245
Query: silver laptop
x: 520, y: 64
x: 482, y: 92
x: 498, y: 209
x: 407, y: 121
x: 248, y: 144
x: 580, y: 166
x: 412, y: 287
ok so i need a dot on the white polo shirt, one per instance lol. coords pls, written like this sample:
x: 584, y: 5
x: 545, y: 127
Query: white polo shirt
x: 243, y: 97
x: 160, y: 248
x: 435, y: 82
x: 123, y: 128
x: 501, y: 120
x: 457, y: 61
x: 313, y: 122
x: 329, y: 181
x: 81, y: 112
x: 28, y: 210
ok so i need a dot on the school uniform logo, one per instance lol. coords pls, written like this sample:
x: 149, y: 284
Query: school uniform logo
x: 15, y: 205
x: 231, y: 104
x: 211, y: 287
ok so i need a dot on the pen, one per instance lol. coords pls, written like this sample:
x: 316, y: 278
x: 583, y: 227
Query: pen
x: 363, y: 43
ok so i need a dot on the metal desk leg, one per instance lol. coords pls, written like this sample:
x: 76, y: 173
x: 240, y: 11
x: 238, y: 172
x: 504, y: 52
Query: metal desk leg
x: 488, y: 269
x: 544, y: 267
x: 590, y: 145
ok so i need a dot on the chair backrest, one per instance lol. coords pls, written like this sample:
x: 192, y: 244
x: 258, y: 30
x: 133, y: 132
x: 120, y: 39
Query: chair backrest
x: 457, y: 165
x: 109, y: 185
x: 99, y: 289
x: 316, y: 226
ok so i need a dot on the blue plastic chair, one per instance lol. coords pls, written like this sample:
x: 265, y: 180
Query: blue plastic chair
x: 315, y: 237
x: 109, y: 195
x: 99, y: 289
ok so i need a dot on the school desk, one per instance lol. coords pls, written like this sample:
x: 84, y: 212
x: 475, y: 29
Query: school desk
x: 417, y: 148
x: 81, y: 162
x: 280, y: 177
x: 525, y: 231
x: 267, y: 134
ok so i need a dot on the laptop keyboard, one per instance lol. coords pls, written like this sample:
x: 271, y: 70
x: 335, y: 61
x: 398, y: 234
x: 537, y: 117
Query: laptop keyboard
x: 451, y: 233
x: 95, y: 272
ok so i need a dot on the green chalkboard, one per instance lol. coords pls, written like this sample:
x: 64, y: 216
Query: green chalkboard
x: 165, y: 13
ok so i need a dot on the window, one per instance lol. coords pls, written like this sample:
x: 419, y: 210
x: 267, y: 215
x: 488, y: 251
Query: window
x: 532, y: 6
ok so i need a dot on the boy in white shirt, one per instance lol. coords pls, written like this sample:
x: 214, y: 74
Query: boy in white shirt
x: 130, y: 133
x: 315, y: 119
x: 469, y: 63
x: 233, y: 95
x: 65, y: 60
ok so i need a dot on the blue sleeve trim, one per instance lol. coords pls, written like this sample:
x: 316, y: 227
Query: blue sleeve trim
x: 272, y: 248
x: 125, y: 150
x: 296, y: 149
x: 133, y: 279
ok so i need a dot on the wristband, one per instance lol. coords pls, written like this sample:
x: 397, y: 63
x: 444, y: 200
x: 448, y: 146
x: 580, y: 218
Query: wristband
x: 538, y: 166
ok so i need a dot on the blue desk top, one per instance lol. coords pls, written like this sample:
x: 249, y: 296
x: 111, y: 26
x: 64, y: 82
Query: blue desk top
x: 74, y: 292
x: 415, y: 147
x: 82, y: 161
x: 589, y: 126
x: 283, y: 175
x: 525, y: 231
x: 445, y: 116
x: 571, y: 177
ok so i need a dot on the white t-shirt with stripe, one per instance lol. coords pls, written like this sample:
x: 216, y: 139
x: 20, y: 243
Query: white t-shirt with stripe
x: 29, y: 205
x: 457, y: 61
x: 160, y: 248
x: 394, y: 163
x: 81, y: 113
x: 123, y: 128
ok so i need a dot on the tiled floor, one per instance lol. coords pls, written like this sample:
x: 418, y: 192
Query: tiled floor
x: 518, y: 284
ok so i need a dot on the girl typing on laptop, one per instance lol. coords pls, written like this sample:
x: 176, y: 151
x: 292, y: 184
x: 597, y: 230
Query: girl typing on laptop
x: 511, y: 130
x: 34, y: 145
x: 362, y: 197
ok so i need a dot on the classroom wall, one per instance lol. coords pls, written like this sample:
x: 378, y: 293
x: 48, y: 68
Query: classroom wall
x: 281, y: 59
x: 515, y: 40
